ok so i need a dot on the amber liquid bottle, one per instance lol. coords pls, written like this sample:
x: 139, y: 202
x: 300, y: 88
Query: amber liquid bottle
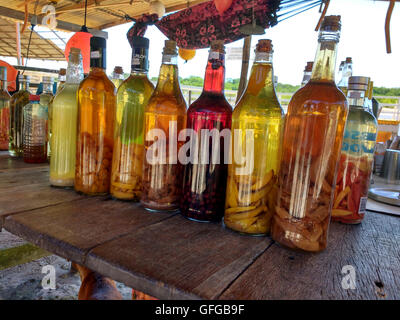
x: 165, y: 117
x: 257, y: 123
x: 205, y: 174
x: 96, y: 112
x: 311, y: 149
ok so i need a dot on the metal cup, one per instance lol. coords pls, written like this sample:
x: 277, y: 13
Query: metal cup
x: 391, y: 166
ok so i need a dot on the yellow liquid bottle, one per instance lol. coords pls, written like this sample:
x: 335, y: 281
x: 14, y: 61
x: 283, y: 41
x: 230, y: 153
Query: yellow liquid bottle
x: 257, y: 123
x: 65, y: 114
x: 162, y: 180
x: 96, y: 113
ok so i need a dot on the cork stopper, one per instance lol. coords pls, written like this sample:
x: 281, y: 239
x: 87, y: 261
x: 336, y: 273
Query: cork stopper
x: 62, y: 72
x: 264, y: 45
x: 118, y: 70
x: 3, y: 73
x: 331, y: 23
x: 170, y: 47
x: 349, y: 60
x: 309, y: 66
x: 217, y: 46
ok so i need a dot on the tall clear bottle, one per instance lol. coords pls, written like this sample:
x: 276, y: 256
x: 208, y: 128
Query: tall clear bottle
x: 132, y: 97
x: 165, y: 117
x: 117, y: 76
x: 312, y: 142
x: 257, y: 123
x: 65, y: 117
x: 46, y: 98
x: 96, y: 113
x: 35, y: 126
x: 357, y: 157
x: 347, y: 72
x: 210, y: 118
x: 307, y: 73
x: 18, y: 101
x: 4, y: 110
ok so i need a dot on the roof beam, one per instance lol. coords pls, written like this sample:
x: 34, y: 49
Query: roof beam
x: 61, y: 25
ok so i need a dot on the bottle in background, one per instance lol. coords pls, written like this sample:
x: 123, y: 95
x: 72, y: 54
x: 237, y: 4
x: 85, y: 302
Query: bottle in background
x: 132, y: 97
x: 311, y: 148
x: 61, y: 79
x: 307, y: 73
x: 64, y: 124
x: 368, y: 97
x: 35, y: 131
x: 357, y: 156
x: 117, y: 76
x: 96, y: 113
x: 257, y: 118
x: 210, y: 116
x: 46, y: 98
x: 4, y: 110
x: 165, y: 117
x: 347, y: 72
x: 18, y: 101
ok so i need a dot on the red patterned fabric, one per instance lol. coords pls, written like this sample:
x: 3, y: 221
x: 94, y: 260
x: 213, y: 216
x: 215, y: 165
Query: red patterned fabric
x: 195, y: 27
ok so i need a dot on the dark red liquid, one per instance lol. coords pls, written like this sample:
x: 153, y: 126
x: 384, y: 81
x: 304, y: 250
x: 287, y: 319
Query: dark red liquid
x: 36, y: 154
x: 205, y: 184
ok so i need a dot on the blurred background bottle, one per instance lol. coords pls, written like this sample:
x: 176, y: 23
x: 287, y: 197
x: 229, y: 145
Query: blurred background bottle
x: 4, y: 110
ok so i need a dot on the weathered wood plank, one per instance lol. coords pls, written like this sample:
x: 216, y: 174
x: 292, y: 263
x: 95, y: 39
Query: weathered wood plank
x: 14, y: 178
x: 8, y: 163
x: 372, y: 248
x: 178, y: 258
x: 72, y: 228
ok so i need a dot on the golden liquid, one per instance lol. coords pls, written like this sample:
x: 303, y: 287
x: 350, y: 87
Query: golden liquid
x: 162, y: 183
x: 18, y: 101
x: 95, y: 141
x: 311, y: 148
x: 63, y: 137
x: 132, y: 97
x: 251, y: 195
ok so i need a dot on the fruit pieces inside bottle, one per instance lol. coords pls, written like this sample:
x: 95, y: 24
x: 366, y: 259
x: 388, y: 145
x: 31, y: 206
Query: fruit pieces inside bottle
x: 252, y: 176
x: 312, y: 141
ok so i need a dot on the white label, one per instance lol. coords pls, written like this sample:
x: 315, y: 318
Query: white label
x: 95, y: 54
x: 213, y: 55
x: 363, y: 205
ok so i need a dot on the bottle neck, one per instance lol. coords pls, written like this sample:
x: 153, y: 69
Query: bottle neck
x: 356, y: 98
x: 140, y: 60
x: 4, y: 85
x: 306, y: 78
x: 168, y: 77
x: 261, y: 81
x: 214, y: 79
x: 325, y: 59
x: 347, y: 72
x: 24, y: 85
x: 74, y: 70
x: 48, y: 88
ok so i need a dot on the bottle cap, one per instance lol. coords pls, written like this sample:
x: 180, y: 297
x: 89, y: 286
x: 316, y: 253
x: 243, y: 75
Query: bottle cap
x: 358, y: 83
x: 74, y: 55
x: 264, y: 45
x: 118, y: 70
x: 97, y: 43
x: 331, y: 23
x: 309, y: 66
x: 98, y: 52
x: 170, y: 47
x: 63, y: 71
x: 34, y: 97
x: 349, y: 60
x: 3, y: 73
x: 218, y: 46
x: 140, y: 42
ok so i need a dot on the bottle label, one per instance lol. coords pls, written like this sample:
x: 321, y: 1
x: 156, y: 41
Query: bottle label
x: 98, y: 58
x: 363, y: 205
x: 357, y: 142
x: 140, y: 59
x: 95, y: 54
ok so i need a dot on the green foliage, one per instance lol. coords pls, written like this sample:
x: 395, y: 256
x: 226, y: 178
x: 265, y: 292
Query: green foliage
x: 382, y: 91
x: 286, y: 88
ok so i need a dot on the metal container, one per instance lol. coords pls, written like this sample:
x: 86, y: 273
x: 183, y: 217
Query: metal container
x: 391, y: 166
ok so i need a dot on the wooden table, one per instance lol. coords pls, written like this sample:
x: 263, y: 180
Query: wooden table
x: 169, y: 257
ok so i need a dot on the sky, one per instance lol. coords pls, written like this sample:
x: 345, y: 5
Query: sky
x: 294, y: 41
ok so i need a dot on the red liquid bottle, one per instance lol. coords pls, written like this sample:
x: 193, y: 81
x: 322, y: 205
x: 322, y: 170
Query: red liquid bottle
x: 209, y: 119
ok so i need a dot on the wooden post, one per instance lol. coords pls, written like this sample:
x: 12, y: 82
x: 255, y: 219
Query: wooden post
x: 245, y: 67
x: 190, y: 97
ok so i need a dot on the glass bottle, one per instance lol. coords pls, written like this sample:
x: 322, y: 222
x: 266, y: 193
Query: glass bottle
x: 117, y: 76
x: 45, y: 99
x: 35, y: 131
x: 368, y: 97
x: 209, y: 118
x: 165, y: 117
x: 132, y: 97
x: 65, y: 115
x: 257, y: 123
x: 312, y: 141
x: 347, y: 72
x: 18, y: 101
x: 307, y: 73
x: 96, y: 112
x: 357, y: 157
x: 4, y: 110
x: 62, y: 76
